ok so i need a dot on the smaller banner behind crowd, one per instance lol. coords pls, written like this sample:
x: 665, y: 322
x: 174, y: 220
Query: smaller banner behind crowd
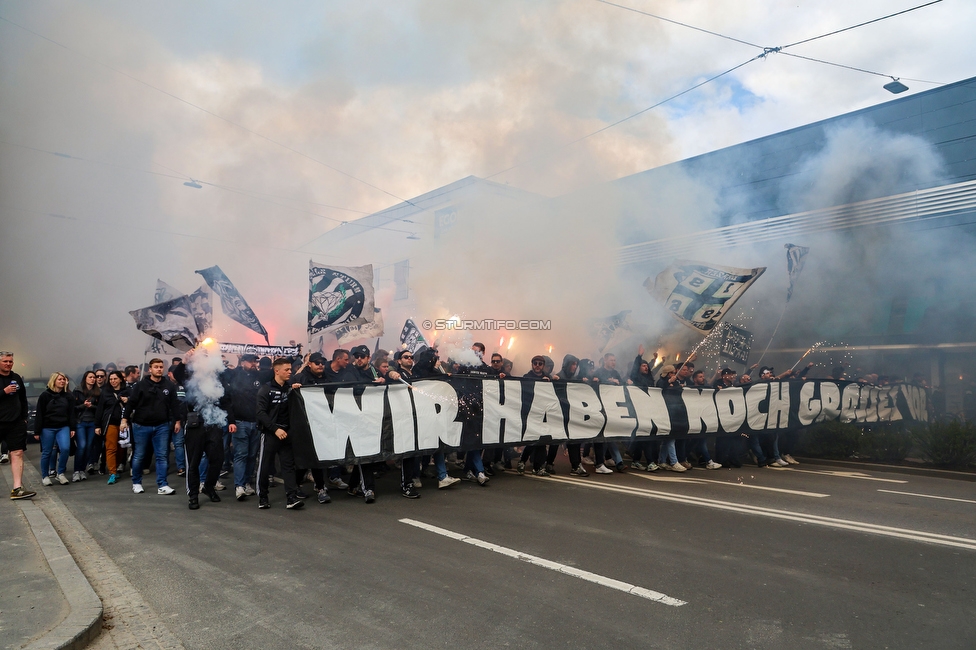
x: 344, y: 422
x: 272, y: 351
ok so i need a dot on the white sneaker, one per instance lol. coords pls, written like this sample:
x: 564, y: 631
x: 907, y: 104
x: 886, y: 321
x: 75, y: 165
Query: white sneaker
x: 137, y: 488
x: 62, y: 479
x: 603, y: 469
x: 249, y: 490
x: 653, y: 467
x: 482, y: 478
x: 447, y: 482
x: 83, y: 476
x: 677, y: 467
x: 240, y: 493
x: 713, y: 465
x: 219, y: 486
x: 165, y: 490
x: 47, y: 481
x: 76, y: 477
x: 789, y: 459
x: 417, y: 483
x: 587, y: 460
x: 781, y: 463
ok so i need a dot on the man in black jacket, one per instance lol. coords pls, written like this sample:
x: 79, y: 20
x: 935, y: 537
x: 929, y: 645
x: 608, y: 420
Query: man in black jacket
x: 13, y: 422
x: 273, y: 421
x: 205, y: 421
x: 363, y: 482
x: 312, y: 373
x: 151, y: 407
x: 243, y: 386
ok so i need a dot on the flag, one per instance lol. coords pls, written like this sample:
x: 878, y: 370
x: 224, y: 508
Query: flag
x: 699, y: 295
x: 338, y: 296
x: 231, y: 300
x: 736, y: 343
x: 612, y: 331
x: 201, y: 308
x: 370, y: 330
x: 410, y: 337
x: 171, y: 322
x: 795, y: 256
x: 163, y: 293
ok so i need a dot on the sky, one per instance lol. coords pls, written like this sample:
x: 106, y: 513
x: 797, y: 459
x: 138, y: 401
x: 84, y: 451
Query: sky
x: 296, y: 116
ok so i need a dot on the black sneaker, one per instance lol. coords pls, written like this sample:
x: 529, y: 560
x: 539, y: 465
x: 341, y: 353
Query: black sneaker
x: 194, y: 504
x: 263, y: 504
x: 410, y: 492
x: 224, y: 473
x: 294, y: 503
x: 488, y: 470
x: 371, y: 497
x: 300, y: 494
x: 212, y: 493
x: 354, y: 491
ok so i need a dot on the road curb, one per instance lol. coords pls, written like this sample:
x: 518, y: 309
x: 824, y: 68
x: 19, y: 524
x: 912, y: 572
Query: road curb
x: 83, y: 623
x: 897, y: 469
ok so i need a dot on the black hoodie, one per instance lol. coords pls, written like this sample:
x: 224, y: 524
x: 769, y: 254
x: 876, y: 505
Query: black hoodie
x: 54, y: 410
x: 152, y: 403
x: 565, y: 373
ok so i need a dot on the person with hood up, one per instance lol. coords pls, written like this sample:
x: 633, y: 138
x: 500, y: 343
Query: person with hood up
x: 642, y: 377
x: 568, y: 372
x: 536, y: 451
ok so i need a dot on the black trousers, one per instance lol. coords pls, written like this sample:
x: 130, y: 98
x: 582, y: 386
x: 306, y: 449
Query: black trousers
x: 362, y: 476
x: 409, y: 470
x: 198, y: 441
x: 272, y: 446
x: 318, y: 477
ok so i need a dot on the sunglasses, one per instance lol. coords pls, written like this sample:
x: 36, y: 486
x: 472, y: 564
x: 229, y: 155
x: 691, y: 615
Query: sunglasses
x: 406, y: 356
x: 538, y: 363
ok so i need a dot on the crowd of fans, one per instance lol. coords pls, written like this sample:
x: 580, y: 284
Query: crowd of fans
x: 114, y: 420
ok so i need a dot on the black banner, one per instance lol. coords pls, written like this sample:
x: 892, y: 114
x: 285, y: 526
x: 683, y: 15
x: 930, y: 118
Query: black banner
x: 343, y: 422
x: 736, y: 343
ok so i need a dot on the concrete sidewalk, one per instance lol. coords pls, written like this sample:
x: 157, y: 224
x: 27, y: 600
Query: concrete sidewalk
x: 31, y: 602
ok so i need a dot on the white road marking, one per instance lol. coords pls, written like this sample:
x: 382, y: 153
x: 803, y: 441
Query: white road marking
x: 928, y: 496
x: 669, y: 479
x: 625, y: 587
x: 860, y: 475
x: 829, y: 522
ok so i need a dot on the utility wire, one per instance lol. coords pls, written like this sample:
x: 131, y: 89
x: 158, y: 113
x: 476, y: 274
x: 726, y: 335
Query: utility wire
x: 633, y: 115
x: 676, y: 22
x: 208, y: 112
x: 867, y: 22
x: 850, y: 67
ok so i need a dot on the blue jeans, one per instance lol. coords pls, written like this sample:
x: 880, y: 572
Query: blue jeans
x: 84, y: 434
x: 179, y: 451
x: 615, y: 453
x: 472, y: 462
x: 667, y: 455
x: 247, y: 440
x: 48, y: 438
x: 141, y: 435
x: 441, y: 465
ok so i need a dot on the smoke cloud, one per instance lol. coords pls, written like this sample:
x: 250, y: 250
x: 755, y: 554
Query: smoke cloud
x: 203, y: 388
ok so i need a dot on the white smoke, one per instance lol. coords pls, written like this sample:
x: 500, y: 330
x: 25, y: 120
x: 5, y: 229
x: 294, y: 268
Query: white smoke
x: 203, y: 388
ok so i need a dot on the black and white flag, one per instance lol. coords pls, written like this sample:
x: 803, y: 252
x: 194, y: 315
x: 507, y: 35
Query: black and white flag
x: 411, y: 338
x: 698, y: 295
x: 163, y: 293
x: 795, y: 256
x: 337, y: 296
x: 231, y: 300
x: 202, y: 309
x: 736, y: 343
x: 170, y: 321
x: 610, y: 332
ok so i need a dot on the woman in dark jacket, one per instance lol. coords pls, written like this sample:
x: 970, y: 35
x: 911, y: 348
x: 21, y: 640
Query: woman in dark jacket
x: 86, y: 399
x: 55, y: 421
x: 108, y: 415
x: 642, y: 447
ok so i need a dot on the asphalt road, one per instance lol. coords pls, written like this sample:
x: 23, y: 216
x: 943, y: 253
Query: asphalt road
x: 818, y: 558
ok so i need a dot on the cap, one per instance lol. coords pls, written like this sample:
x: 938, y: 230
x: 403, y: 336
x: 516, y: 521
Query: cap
x: 668, y: 369
x: 728, y: 371
x: 249, y: 357
x: 360, y: 351
x: 316, y: 357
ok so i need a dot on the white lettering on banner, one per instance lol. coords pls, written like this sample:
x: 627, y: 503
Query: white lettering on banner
x: 501, y: 415
x: 730, y: 404
x: 886, y: 408
x: 754, y: 397
x: 619, y: 421
x: 345, y: 421
x: 700, y: 405
x: 830, y: 401
x: 779, y: 406
x: 545, y: 416
x: 401, y: 410
x: 651, y: 411
x: 809, y: 408
x: 850, y: 401
x: 586, y: 418
x: 437, y: 408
